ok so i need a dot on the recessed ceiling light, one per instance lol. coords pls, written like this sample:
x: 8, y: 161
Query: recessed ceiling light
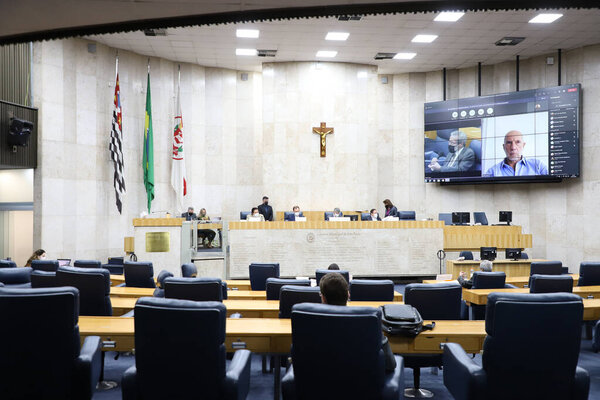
x: 337, y: 36
x: 247, y: 33
x: 544, y: 18
x: 245, y: 52
x: 326, y: 53
x: 424, y: 38
x: 449, y: 16
x: 404, y: 56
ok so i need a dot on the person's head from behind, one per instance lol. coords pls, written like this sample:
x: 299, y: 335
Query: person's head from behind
x: 388, y: 204
x: 333, y: 267
x: 296, y: 211
x: 265, y: 200
x: 374, y: 212
x: 513, y: 145
x: 457, y: 141
x: 334, y: 289
x: 254, y: 212
x: 190, y: 210
x: 336, y: 212
x: 486, y: 266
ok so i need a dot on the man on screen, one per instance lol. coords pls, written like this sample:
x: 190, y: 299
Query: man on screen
x: 515, y: 164
x: 459, y: 158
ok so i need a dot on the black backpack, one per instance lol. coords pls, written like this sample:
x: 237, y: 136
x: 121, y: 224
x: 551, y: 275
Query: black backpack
x: 403, y: 320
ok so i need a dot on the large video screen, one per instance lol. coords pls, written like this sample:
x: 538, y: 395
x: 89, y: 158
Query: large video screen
x: 531, y: 135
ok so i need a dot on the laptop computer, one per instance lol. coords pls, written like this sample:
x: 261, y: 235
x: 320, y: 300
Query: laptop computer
x: 63, y: 262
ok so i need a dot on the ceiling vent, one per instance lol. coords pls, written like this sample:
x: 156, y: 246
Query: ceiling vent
x: 266, y: 53
x: 155, y: 32
x: 384, y: 56
x: 509, y: 41
x: 349, y: 17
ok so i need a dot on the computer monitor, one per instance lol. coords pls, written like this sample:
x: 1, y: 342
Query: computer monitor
x: 64, y: 262
x: 487, y: 253
x: 352, y: 217
x: 505, y: 216
x: 461, y: 218
x: 513, y: 254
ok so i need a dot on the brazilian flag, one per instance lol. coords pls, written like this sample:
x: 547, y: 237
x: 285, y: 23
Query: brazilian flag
x: 148, y: 160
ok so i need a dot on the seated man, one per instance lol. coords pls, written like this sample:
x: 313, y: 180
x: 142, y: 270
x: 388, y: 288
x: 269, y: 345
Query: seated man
x: 255, y: 216
x: 189, y: 215
x: 334, y: 291
x: 292, y: 217
x: 485, y: 266
x: 337, y: 213
x: 206, y: 234
x: 515, y: 164
x: 374, y: 216
x: 459, y: 158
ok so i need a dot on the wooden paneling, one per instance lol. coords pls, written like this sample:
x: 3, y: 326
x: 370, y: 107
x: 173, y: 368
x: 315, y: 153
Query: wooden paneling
x: 238, y: 225
x: 158, y: 221
x: 518, y: 268
x: 457, y: 238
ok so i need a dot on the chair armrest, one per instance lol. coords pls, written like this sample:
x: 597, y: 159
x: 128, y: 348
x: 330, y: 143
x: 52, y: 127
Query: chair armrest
x: 509, y: 286
x: 462, y: 376
x: 129, y: 384
x: 394, y: 381
x: 288, y: 385
x: 88, y: 366
x: 237, y: 378
x: 581, y: 388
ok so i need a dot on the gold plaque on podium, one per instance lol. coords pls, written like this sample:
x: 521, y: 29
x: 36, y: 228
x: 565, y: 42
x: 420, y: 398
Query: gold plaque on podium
x: 158, y: 242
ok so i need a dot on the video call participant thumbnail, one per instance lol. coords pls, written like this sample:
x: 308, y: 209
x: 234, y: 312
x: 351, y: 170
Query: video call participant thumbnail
x: 515, y: 164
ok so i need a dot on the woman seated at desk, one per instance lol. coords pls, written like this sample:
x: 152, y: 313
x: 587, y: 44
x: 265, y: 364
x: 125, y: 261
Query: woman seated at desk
x: 206, y: 234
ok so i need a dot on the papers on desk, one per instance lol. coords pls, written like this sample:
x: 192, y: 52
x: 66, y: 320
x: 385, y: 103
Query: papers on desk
x: 391, y: 219
x: 252, y: 219
x: 300, y: 219
x: 339, y: 218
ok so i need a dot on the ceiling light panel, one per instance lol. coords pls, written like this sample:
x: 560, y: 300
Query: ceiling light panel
x: 424, y: 38
x: 449, y: 16
x: 326, y: 53
x: 247, y: 33
x: 545, y: 18
x: 337, y: 36
x: 404, y: 56
x: 245, y: 52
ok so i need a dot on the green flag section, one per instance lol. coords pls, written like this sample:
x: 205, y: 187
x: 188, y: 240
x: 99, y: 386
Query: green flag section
x: 148, y: 160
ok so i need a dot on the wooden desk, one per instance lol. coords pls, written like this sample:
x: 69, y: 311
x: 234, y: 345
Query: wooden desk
x: 271, y: 335
x: 518, y: 281
x: 479, y: 296
x: 248, y: 308
x: 457, y: 238
x: 509, y: 267
x: 121, y: 291
x: 236, y: 284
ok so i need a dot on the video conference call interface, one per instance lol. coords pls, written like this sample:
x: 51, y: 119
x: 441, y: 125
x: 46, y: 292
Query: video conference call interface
x: 528, y: 135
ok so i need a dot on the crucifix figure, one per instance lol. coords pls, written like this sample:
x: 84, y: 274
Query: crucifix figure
x: 323, y: 131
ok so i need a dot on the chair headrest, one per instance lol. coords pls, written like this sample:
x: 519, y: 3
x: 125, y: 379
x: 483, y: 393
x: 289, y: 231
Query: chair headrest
x: 191, y: 281
x: 371, y: 282
x: 160, y: 279
x: 84, y: 271
x: 10, y: 276
x: 289, y: 281
x: 303, y: 289
x: 42, y: 294
x: 431, y: 286
x: 46, y: 265
x: 328, y: 309
x: 87, y: 264
x: 8, y: 264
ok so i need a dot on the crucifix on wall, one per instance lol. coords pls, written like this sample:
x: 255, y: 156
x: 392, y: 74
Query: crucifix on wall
x: 323, y: 131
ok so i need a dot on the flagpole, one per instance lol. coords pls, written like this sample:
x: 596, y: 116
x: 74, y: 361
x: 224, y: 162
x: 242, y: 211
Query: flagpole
x: 117, y: 64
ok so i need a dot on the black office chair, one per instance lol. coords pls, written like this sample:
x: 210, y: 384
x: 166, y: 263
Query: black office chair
x: 43, y: 279
x: 180, y: 353
x: 160, y: 283
x: 189, y: 270
x: 524, y: 256
x: 468, y: 255
x: 114, y: 265
x: 530, y: 351
x: 322, y: 272
x: 42, y: 355
x: 94, y: 288
x: 16, y: 277
x: 259, y: 272
x: 291, y: 294
x: 139, y: 274
x: 407, y: 215
x: 365, y: 216
x: 480, y: 218
x: 327, y: 215
x: 487, y: 280
x: 87, y: 264
x: 438, y: 301
x: 274, y: 286
x: 45, y: 265
x: 371, y: 290
x: 196, y: 289
x: 8, y: 264
x: 550, y: 283
x: 446, y: 217
x: 589, y: 274
x: 244, y: 214
x: 545, y: 268
x: 337, y: 354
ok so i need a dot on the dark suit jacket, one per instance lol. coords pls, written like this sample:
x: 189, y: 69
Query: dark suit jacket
x: 393, y: 212
x: 291, y: 217
x: 266, y: 211
x: 189, y: 217
x: 467, y: 284
x: 464, y: 161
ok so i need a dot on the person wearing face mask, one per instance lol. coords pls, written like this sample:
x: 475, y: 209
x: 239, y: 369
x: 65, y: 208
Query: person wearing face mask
x: 265, y: 209
x: 459, y: 158
x: 515, y: 164
x: 296, y: 213
x: 190, y: 215
x: 374, y: 215
x: 255, y: 216
x: 39, y: 254
x: 205, y: 234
